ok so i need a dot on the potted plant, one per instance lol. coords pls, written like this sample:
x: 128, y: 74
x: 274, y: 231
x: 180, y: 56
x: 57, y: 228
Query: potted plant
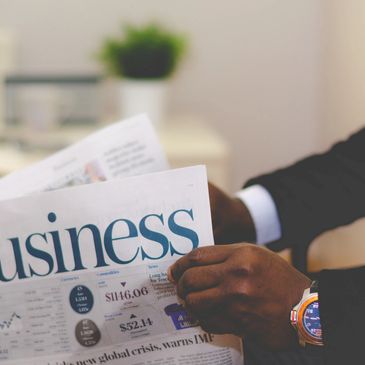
x: 144, y: 57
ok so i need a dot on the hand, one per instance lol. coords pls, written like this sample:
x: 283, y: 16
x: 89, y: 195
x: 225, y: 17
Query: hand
x: 231, y: 219
x: 241, y: 289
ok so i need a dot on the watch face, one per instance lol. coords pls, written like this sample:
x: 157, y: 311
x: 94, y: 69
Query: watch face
x: 311, y: 321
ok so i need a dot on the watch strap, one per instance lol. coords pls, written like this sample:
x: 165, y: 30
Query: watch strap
x: 314, y: 286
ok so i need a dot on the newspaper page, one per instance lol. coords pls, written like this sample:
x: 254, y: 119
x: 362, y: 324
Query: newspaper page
x: 127, y: 148
x: 83, y: 274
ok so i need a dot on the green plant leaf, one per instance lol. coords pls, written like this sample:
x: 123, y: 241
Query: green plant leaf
x: 147, y: 52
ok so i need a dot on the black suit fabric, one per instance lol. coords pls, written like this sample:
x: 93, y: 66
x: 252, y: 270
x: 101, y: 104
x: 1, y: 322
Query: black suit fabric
x: 312, y: 196
x: 342, y: 311
x: 319, y: 193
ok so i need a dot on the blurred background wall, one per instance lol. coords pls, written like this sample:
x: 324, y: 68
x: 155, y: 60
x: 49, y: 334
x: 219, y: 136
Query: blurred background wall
x: 253, y: 69
x: 342, y: 111
x: 277, y: 78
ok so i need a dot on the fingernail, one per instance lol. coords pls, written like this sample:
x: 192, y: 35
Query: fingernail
x: 181, y: 301
x: 169, y: 275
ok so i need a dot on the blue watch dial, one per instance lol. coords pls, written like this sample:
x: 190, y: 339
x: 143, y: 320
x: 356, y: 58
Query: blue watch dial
x: 311, y: 320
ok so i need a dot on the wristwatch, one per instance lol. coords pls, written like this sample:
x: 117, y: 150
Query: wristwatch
x: 304, y: 317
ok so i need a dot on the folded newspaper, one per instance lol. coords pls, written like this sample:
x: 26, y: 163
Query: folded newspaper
x: 83, y: 270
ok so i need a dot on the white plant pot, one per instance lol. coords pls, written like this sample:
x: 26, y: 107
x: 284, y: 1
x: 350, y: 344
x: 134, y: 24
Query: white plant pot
x: 144, y: 96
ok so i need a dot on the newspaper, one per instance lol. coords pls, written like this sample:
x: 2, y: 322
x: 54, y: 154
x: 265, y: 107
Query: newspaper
x: 83, y: 270
x: 83, y: 274
x: 127, y: 148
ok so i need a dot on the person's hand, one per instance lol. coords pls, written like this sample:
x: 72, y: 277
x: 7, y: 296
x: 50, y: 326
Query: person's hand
x: 242, y: 289
x: 231, y: 219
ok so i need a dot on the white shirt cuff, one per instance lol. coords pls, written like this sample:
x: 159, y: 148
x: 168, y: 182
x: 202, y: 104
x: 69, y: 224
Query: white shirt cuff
x: 263, y: 211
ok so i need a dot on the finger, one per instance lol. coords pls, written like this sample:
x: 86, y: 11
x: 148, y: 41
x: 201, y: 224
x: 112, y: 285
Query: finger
x: 205, y: 303
x: 199, y: 257
x: 219, y: 324
x: 198, y: 279
x: 221, y: 319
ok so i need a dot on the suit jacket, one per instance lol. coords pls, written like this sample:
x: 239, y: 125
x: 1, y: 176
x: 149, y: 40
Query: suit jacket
x: 314, y: 195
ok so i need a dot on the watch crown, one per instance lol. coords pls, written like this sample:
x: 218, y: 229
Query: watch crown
x: 293, y: 317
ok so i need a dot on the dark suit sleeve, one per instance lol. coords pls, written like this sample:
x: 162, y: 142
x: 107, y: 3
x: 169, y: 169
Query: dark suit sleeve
x: 320, y: 192
x: 341, y: 306
x: 314, y: 195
